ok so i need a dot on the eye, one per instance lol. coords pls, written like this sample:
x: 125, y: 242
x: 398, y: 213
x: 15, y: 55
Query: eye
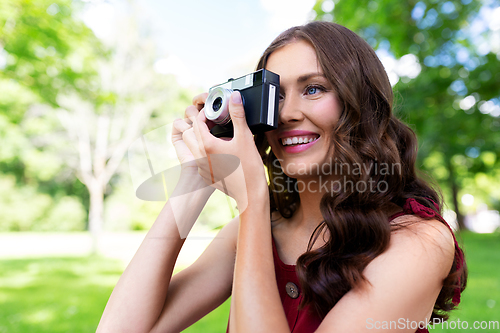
x: 313, y: 90
x: 281, y: 97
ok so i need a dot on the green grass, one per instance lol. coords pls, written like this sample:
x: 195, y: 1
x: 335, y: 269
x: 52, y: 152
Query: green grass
x: 481, y: 298
x: 69, y: 294
x: 216, y: 321
x: 55, y: 294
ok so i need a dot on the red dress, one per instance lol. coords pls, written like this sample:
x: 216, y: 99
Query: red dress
x: 306, y: 320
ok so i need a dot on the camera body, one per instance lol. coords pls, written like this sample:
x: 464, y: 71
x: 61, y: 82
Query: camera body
x: 260, y: 96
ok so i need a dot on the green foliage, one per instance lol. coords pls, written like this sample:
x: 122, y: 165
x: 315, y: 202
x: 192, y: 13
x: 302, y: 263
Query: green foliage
x: 25, y: 208
x: 47, y: 50
x: 449, y: 103
x: 58, y: 84
x: 389, y: 20
x: 15, y: 100
x: 38, y: 190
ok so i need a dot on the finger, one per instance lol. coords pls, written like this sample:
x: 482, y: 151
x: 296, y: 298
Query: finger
x: 189, y: 138
x: 191, y: 112
x: 203, y: 126
x: 206, y: 141
x: 180, y: 125
x: 237, y: 113
x: 202, y: 132
x: 199, y: 100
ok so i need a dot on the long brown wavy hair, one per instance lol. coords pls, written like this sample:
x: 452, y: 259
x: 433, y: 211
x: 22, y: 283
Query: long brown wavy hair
x: 367, y: 133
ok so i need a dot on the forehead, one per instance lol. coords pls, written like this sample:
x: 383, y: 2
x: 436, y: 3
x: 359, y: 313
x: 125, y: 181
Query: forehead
x: 294, y: 59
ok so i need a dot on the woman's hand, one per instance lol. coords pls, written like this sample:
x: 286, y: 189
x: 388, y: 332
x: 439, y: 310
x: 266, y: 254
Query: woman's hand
x: 218, y: 157
x: 184, y: 155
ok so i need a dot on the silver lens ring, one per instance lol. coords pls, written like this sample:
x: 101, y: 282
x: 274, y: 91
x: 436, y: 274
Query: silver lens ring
x: 217, y: 106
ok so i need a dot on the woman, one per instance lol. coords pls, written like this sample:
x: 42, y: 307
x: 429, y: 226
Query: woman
x: 344, y: 238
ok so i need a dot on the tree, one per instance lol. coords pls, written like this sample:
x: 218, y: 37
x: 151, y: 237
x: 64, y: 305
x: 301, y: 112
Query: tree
x: 452, y: 101
x: 44, y: 51
x: 102, y: 132
x: 61, y: 73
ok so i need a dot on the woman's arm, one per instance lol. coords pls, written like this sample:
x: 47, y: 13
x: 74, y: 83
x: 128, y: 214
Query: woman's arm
x: 144, y: 297
x: 255, y: 303
x: 203, y: 286
x: 138, y: 298
x: 404, y: 282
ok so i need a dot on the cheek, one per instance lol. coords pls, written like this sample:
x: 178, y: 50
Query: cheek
x: 326, y: 111
x: 270, y: 135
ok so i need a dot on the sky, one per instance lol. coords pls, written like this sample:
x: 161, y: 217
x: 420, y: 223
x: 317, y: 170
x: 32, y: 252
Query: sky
x: 204, y: 42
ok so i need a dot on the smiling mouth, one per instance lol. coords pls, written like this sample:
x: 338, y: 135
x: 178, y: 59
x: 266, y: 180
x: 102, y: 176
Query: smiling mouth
x: 299, y: 140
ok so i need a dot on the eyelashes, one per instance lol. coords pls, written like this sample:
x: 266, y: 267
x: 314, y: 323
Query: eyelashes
x: 309, y: 90
x: 314, y: 89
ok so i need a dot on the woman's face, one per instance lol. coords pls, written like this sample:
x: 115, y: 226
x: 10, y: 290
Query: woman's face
x: 309, y: 109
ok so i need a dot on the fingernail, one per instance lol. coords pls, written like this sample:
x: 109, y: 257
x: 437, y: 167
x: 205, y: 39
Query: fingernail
x: 236, y: 97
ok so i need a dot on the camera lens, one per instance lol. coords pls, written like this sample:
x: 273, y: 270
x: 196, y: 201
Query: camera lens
x: 217, y: 104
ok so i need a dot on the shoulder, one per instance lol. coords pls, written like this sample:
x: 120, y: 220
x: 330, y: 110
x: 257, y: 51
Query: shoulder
x: 419, y: 245
x: 419, y: 257
x: 425, y: 238
x: 405, y: 280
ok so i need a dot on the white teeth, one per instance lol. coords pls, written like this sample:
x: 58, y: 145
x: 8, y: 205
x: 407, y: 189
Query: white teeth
x: 296, y: 140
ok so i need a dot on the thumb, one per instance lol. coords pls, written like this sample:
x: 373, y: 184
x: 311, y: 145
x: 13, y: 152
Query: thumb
x: 237, y: 113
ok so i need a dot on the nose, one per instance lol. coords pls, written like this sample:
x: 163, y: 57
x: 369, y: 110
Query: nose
x: 290, y: 111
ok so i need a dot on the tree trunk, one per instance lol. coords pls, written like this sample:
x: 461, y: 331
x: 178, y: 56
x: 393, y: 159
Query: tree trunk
x: 96, y: 191
x: 454, y: 195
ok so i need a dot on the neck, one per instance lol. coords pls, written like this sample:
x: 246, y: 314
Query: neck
x: 311, y: 191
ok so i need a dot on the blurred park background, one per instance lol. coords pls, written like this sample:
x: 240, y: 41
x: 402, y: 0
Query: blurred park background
x: 81, y: 81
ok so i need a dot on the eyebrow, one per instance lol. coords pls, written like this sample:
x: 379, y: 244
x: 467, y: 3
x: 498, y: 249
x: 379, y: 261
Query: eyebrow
x: 306, y: 77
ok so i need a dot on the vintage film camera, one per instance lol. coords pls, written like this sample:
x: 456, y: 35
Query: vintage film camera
x: 260, y: 95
